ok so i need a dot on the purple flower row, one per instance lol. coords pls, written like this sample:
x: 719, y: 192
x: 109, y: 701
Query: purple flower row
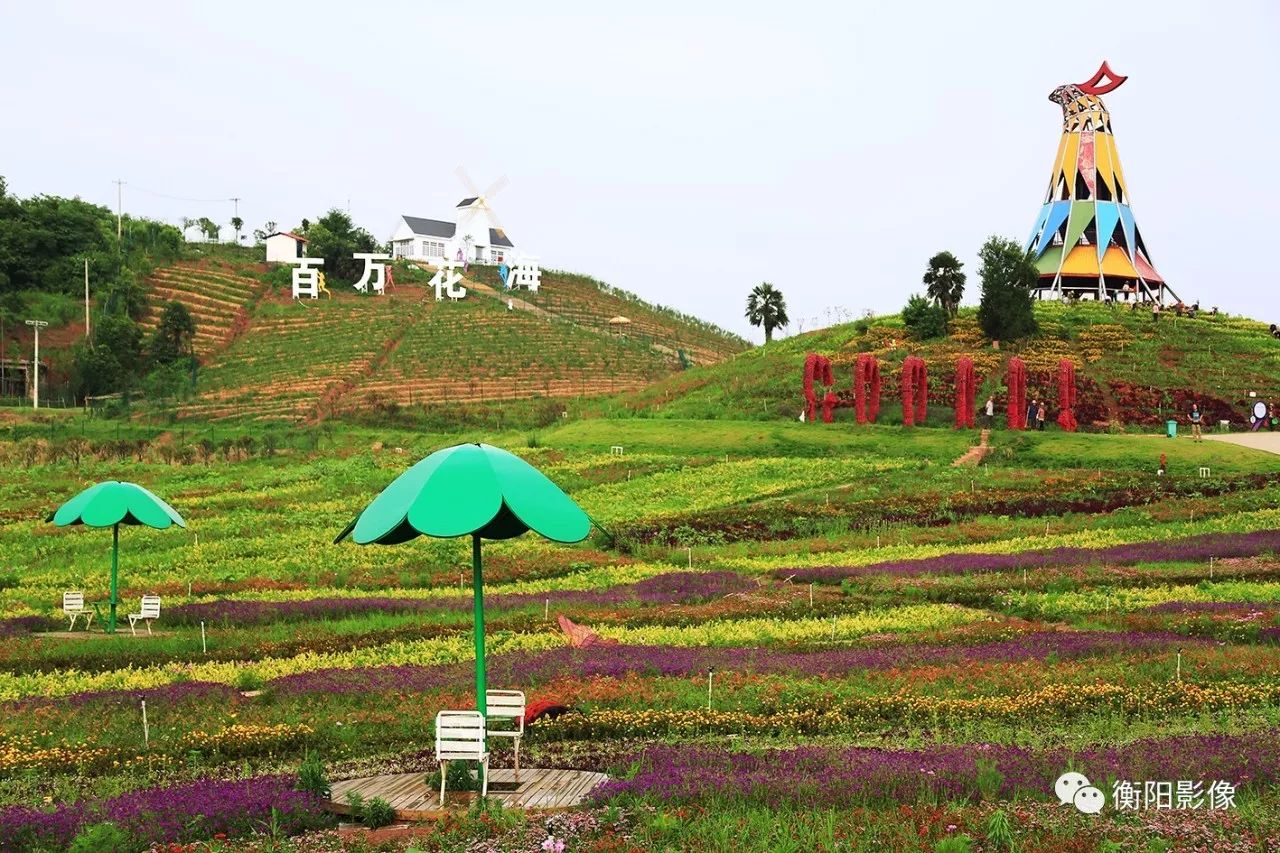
x: 189, y: 812
x: 1189, y: 549
x: 843, y: 777
x: 532, y: 668
x: 672, y: 588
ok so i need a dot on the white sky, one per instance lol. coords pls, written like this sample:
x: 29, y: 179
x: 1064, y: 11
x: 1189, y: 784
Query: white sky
x: 828, y: 148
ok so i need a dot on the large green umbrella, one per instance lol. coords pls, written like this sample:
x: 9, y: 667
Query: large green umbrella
x: 470, y: 490
x: 111, y: 504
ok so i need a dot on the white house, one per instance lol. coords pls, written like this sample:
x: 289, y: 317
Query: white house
x: 285, y: 247
x: 473, y: 237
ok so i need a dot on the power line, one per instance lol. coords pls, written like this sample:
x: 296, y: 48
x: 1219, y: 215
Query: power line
x: 182, y: 198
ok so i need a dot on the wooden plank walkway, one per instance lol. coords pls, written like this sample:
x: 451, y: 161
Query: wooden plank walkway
x: 409, y: 795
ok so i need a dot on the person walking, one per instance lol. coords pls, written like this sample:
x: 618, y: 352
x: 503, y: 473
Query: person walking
x: 1196, y: 417
x: 989, y: 413
x: 1040, y: 413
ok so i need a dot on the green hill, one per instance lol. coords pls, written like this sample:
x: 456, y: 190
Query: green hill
x: 1130, y: 370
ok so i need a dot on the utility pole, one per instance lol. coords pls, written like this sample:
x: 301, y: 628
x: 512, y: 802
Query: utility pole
x: 236, y: 201
x: 86, y: 299
x: 119, y: 195
x: 38, y: 324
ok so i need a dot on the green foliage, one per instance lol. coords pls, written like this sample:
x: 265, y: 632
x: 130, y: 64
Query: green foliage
x: 1000, y: 831
x: 312, y: 777
x: 173, y: 336
x: 335, y: 237
x: 1006, y: 312
x: 989, y: 779
x: 378, y: 813
x: 766, y: 307
x: 944, y: 281
x: 954, y: 844
x: 924, y: 319
x: 101, y: 838
x: 461, y: 778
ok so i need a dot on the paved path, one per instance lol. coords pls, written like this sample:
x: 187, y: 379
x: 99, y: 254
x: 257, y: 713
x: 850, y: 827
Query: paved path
x: 1268, y: 441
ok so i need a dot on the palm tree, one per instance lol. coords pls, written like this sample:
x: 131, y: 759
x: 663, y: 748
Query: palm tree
x: 766, y: 307
x: 944, y: 281
x: 237, y: 223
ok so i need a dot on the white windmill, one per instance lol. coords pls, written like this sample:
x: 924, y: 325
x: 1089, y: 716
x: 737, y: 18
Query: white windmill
x: 479, y: 232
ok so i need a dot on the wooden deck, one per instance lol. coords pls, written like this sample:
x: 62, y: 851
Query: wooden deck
x: 409, y: 795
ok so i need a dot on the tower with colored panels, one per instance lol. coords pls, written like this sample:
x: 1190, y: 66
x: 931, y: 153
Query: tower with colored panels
x: 1086, y: 240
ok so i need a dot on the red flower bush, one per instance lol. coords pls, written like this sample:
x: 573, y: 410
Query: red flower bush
x: 915, y: 390
x: 966, y: 388
x: 866, y: 380
x: 1067, y: 395
x: 1016, y: 382
x: 816, y: 368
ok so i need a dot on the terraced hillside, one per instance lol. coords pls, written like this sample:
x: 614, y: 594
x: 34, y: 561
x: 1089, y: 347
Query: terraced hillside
x: 591, y: 304
x: 1130, y: 369
x: 265, y: 356
x: 479, y: 350
x: 218, y: 295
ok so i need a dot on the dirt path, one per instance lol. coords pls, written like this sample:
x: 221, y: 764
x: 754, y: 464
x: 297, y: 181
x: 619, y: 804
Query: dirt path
x: 976, y: 454
x: 1268, y: 441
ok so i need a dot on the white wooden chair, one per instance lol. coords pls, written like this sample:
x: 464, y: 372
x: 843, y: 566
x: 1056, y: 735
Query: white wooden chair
x: 460, y: 737
x: 150, y: 612
x: 73, y: 606
x: 507, y: 705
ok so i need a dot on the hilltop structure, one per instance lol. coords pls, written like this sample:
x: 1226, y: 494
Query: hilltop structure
x: 475, y: 236
x: 1085, y: 240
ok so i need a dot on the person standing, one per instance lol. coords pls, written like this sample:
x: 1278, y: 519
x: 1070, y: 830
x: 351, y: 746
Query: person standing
x: 1032, y: 408
x: 1195, y: 417
x: 989, y: 413
x: 1040, y: 413
x: 1155, y: 311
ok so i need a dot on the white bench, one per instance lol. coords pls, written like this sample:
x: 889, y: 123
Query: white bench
x: 507, y: 705
x: 73, y: 606
x: 460, y: 737
x: 150, y: 611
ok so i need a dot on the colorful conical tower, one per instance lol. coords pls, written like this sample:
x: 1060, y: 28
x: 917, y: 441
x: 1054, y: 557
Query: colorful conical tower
x: 1086, y: 239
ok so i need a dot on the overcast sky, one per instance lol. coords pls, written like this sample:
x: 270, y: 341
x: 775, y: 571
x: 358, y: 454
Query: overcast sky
x: 827, y: 148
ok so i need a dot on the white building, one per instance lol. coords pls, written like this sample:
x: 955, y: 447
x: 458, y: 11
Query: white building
x: 285, y: 247
x: 473, y: 237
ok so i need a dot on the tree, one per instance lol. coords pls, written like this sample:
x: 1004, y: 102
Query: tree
x: 944, y: 281
x: 237, y: 223
x: 924, y: 319
x: 174, y: 334
x: 335, y: 237
x: 261, y: 234
x: 209, y: 228
x: 766, y: 307
x: 1008, y: 276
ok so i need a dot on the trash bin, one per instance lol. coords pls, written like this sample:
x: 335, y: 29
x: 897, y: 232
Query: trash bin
x: 1172, y: 428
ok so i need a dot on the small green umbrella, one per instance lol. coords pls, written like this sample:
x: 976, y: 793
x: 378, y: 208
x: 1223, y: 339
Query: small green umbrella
x: 111, y: 504
x: 471, y: 490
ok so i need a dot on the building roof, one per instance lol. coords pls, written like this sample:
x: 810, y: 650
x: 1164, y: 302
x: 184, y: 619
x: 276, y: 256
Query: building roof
x: 467, y: 202
x: 498, y: 237
x: 297, y: 237
x: 429, y: 227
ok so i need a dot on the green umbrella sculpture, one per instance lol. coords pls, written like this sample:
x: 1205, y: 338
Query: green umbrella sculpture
x: 470, y: 490
x: 111, y: 504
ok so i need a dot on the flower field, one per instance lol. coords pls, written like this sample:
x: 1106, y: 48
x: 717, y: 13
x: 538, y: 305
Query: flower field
x: 813, y: 639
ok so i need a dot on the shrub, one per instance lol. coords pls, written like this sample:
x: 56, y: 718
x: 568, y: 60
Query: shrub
x: 924, y: 319
x: 378, y: 813
x: 102, y: 838
x: 954, y: 844
x: 312, y: 778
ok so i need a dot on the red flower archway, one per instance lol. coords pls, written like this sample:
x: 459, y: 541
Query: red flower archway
x: 817, y: 368
x: 866, y: 381
x: 966, y: 388
x: 1067, y: 395
x: 915, y: 391
x: 1016, y: 382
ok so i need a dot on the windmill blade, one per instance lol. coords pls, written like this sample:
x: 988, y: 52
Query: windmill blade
x: 469, y: 184
x: 496, y: 187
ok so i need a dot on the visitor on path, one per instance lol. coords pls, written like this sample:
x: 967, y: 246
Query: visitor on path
x: 1195, y: 418
x: 989, y: 413
x: 1155, y: 311
x: 1040, y: 413
x: 1031, y: 414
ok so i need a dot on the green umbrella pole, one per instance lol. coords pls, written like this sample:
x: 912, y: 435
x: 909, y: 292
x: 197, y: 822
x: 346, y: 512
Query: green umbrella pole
x: 115, y: 570
x: 478, y: 598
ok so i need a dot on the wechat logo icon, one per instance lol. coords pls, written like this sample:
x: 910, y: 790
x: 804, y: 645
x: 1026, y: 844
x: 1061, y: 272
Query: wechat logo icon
x: 1074, y: 789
